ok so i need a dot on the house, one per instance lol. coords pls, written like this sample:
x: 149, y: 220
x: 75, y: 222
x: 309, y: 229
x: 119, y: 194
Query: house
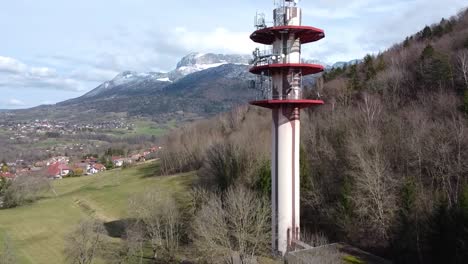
x: 81, y: 168
x: 118, y: 161
x: 53, y: 171
x: 90, y: 160
x: 7, y: 175
x: 39, y: 164
x: 57, y: 170
x: 99, y: 167
x: 138, y: 158
x: 135, y: 157
x: 96, y: 168
x: 64, y: 169
x: 83, y: 165
x: 60, y: 159
x: 92, y: 171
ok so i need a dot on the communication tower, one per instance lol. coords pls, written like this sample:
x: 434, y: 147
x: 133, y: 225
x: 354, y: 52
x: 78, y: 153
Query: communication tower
x: 280, y: 72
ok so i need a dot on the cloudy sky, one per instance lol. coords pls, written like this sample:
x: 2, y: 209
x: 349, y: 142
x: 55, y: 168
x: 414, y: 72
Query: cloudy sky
x: 52, y: 50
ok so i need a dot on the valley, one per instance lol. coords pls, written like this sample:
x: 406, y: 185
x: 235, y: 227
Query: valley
x: 360, y: 162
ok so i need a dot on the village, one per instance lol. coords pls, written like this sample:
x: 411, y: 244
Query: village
x: 63, y: 166
x: 31, y: 130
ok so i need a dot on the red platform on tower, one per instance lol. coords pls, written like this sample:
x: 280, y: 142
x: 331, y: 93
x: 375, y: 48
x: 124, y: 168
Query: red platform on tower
x: 305, y: 33
x: 305, y: 68
x: 299, y: 103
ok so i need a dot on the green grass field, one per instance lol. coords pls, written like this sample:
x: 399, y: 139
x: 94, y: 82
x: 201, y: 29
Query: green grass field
x: 37, y: 230
x: 144, y: 128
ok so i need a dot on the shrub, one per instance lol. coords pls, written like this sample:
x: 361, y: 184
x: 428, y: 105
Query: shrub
x: 24, y: 189
x: 77, y: 172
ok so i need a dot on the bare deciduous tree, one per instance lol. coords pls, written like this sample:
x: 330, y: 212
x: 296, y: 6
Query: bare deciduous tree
x: 462, y: 58
x: 161, y: 220
x: 232, y: 226
x: 314, y: 239
x: 83, y: 244
x: 133, y: 248
x: 375, y: 192
x: 371, y: 109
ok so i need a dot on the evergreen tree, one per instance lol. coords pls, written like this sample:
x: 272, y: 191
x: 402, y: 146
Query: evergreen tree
x: 426, y: 33
x: 380, y: 63
x: 435, y: 69
x: 405, y: 242
x: 439, y: 30
x: 449, y: 239
x: 406, y: 43
x: 448, y: 26
x: 369, y: 69
x: 428, y: 52
x: 353, y: 82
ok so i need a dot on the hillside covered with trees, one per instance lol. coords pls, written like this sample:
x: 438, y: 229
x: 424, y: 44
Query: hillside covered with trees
x: 384, y: 163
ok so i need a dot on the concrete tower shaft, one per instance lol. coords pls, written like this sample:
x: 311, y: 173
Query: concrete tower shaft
x: 283, y: 70
x: 285, y: 177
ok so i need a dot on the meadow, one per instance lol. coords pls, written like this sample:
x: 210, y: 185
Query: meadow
x: 38, y: 230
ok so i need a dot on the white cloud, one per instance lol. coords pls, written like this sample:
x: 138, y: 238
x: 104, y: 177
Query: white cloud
x: 15, y: 102
x: 218, y: 40
x: 354, y: 28
x: 10, y: 65
x: 42, y: 72
x: 16, y: 74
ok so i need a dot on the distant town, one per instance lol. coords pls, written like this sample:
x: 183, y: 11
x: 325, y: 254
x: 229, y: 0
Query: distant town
x: 30, y: 131
x: 63, y: 166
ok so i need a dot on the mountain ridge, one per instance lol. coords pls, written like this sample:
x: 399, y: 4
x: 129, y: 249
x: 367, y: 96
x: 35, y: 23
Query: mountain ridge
x: 201, y: 85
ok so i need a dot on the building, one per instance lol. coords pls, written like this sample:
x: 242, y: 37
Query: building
x: 7, y: 175
x: 58, y: 170
x: 96, y: 168
x: 280, y: 70
x: 118, y: 161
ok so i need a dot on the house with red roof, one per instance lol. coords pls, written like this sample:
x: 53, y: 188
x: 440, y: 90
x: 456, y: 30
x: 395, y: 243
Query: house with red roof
x: 118, y: 161
x: 7, y: 175
x: 100, y: 167
x: 58, y: 170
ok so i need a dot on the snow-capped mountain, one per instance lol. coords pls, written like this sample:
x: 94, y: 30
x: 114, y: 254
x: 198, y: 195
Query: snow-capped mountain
x: 338, y: 64
x: 195, y: 62
x: 130, y: 82
x: 134, y: 82
x: 341, y: 64
x: 201, y: 84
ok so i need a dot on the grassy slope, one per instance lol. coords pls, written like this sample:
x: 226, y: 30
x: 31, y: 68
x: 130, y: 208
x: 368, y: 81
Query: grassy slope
x: 37, y: 230
x: 144, y: 128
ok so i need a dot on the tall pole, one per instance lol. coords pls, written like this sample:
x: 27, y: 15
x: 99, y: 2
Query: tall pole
x: 284, y: 69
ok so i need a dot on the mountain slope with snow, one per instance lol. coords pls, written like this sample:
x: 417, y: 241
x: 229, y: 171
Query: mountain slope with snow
x: 201, y: 85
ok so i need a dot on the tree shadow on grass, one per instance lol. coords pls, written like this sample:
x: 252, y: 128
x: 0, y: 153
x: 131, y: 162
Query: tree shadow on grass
x: 118, y: 228
x: 151, y: 170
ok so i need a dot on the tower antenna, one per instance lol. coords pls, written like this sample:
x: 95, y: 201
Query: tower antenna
x: 280, y: 74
